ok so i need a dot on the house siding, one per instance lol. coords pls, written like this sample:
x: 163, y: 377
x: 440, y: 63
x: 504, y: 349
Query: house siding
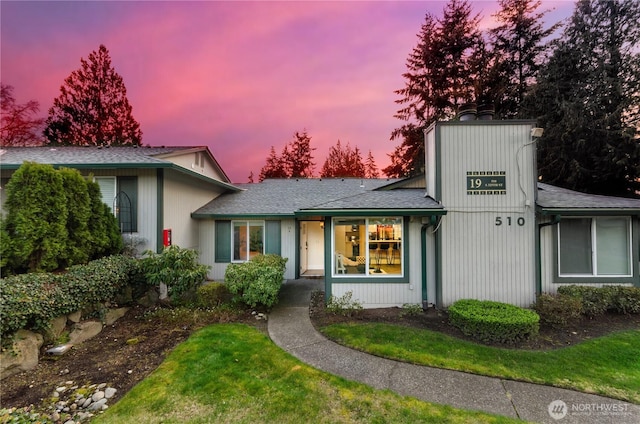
x: 181, y: 197
x: 478, y: 258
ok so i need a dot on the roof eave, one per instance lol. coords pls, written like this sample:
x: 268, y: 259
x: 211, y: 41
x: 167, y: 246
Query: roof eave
x: 371, y: 212
x: 589, y: 211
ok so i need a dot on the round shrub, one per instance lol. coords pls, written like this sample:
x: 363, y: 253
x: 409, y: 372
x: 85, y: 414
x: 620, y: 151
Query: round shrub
x: 212, y: 294
x: 489, y: 321
x: 557, y: 310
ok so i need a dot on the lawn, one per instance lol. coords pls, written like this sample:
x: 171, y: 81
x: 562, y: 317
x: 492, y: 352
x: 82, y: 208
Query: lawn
x: 608, y: 365
x: 232, y: 373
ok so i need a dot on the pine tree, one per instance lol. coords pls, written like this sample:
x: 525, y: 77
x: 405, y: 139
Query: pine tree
x: 438, y: 80
x: 93, y: 108
x: 274, y: 168
x: 370, y: 167
x: 343, y: 162
x: 519, y: 43
x: 297, y: 156
x: 19, y: 125
x: 587, y: 98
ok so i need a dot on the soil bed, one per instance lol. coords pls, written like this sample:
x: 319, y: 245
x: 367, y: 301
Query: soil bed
x: 108, y: 358
x: 437, y: 320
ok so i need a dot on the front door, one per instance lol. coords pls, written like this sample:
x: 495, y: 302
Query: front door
x: 311, y: 248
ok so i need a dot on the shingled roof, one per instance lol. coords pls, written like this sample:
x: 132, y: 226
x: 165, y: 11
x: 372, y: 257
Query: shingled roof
x: 317, y: 196
x: 557, y: 200
x: 98, y: 157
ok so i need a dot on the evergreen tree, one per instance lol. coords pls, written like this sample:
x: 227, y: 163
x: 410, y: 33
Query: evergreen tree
x: 587, y: 98
x: 274, y: 168
x: 343, y: 162
x: 519, y: 43
x: 76, y: 194
x: 438, y: 80
x: 370, y: 167
x: 36, y: 220
x: 19, y: 125
x: 93, y: 108
x: 297, y: 156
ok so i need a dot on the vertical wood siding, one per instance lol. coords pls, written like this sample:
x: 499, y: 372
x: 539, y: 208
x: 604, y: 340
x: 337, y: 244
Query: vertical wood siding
x: 480, y: 259
x: 288, y: 246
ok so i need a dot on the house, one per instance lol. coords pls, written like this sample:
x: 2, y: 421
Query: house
x: 150, y: 189
x: 478, y: 224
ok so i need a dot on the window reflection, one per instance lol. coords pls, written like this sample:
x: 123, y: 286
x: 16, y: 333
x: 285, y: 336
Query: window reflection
x: 368, y: 246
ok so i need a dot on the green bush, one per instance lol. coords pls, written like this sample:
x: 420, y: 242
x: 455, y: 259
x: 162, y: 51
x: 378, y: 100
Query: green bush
x: 31, y: 301
x: 212, y: 295
x: 344, y: 305
x: 258, y: 281
x: 557, y: 310
x: 598, y: 300
x: 78, y: 246
x: 176, y: 267
x: 103, y: 226
x: 489, y: 321
x: 411, y: 310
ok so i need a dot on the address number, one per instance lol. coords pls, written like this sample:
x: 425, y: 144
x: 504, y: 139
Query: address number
x: 520, y: 221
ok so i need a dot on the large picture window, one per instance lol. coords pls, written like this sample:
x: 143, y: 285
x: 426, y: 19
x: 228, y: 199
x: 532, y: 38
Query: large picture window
x: 594, y: 247
x: 248, y: 240
x: 368, y: 247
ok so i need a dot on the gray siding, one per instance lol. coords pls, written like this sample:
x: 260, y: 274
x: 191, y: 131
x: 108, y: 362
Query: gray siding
x: 480, y: 259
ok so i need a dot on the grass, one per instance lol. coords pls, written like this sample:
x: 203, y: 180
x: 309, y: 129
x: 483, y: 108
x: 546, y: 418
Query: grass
x: 608, y: 365
x: 232, y: 373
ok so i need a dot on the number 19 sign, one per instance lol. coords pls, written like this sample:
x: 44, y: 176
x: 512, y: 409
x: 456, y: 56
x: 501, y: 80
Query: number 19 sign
x: 486, y: 182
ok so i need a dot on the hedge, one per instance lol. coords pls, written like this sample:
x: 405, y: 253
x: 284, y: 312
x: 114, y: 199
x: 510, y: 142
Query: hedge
x: 598, y: 300
x: 31, y: 301
x: 258, y: 281
x: 490, y: 321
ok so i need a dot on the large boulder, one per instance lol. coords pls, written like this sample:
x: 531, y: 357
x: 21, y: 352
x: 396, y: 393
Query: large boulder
x: 114, y: 314
x: 24, y: 357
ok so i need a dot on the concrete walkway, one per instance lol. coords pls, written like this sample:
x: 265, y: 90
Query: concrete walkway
x: 291, y: 329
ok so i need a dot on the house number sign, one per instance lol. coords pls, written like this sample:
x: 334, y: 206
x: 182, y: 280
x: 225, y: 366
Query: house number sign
x: 486, y: 182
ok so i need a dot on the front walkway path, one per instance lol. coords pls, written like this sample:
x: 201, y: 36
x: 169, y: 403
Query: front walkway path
x: 290, y: 328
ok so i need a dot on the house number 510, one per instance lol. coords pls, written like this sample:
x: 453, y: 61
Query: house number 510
x: 499, y: 221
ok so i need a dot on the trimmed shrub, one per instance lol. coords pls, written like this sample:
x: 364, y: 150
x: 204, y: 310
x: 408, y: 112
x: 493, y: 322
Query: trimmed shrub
x: 103, y: 226
x: 258, y: 281
x: 344, y: 305
x: 176, y: 267
x: 31, y: 301
x: 557, y: 310
x: 627, y: 300
x: 489, y: 321
x: 212, y: 295
x: 598, y: 300
x: 78, y: 205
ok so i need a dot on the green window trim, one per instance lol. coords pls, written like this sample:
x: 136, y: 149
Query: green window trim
x: 224, y: 242
x: 633, y: 233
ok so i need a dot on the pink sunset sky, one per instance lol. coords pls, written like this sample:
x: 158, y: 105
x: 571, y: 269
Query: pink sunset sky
x: 238, y: 77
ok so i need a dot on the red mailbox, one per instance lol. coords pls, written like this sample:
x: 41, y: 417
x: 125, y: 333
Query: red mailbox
x: 166, y: 237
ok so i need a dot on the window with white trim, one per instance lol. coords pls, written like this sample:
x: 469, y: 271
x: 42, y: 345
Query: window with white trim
x: 595, y: 247
x: 368, y: 247
x: 247, y: 240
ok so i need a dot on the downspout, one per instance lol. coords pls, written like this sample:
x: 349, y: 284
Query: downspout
x: 423, y: 249
x: 556, y: 219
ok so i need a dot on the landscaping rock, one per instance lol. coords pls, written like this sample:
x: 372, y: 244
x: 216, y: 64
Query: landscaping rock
x: 57, y: 326
x: 25, y: 356
x: 114, y: 314
x: 84, y: 330
x: 75, y: 317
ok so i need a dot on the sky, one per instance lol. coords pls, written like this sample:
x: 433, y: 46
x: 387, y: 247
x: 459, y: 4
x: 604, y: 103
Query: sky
x: 235, y: 76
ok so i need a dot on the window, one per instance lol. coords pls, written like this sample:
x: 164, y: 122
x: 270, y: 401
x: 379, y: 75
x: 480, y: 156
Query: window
x: 248, y: 240
x: 594, y: 247
x: 368, y: 247
x: 121, y: 195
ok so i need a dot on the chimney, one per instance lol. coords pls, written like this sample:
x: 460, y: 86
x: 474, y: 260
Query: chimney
x: 467, y: 112
x: 486, y: 112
